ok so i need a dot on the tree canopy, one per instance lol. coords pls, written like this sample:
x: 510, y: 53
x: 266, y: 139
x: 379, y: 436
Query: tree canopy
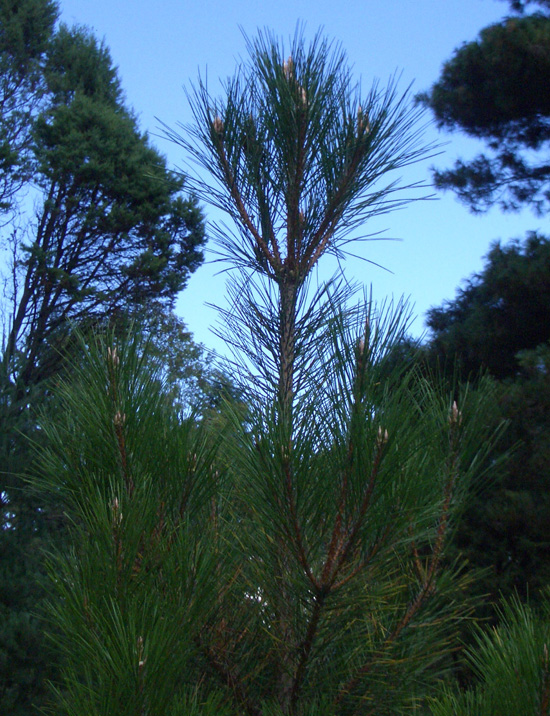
x: 112, y: 229
x: 495, y: 89
x: 499, y: 323
x: 499, y: 312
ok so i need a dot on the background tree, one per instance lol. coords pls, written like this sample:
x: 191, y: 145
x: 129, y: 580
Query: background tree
x: 112, y: 230
x: 298, y: 571
x: 494, y: 89
x: 499, y: 322
x: 500, y: 311
x: 25, y: 31
x: 94, y: 228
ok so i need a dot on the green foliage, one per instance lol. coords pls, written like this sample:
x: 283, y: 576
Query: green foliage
x: 289, y: 563
x: 511, y: 665
x: 499, y: 322
x: 138, y: 484
x: 26, y: 662
x: 502, y: 310
x: 28, y: 525
x: 93, y: 227
x: 494, y: 89
x: 181, y: 568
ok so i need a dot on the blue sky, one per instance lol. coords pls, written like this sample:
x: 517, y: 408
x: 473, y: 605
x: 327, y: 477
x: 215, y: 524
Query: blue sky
x: 159, y: 47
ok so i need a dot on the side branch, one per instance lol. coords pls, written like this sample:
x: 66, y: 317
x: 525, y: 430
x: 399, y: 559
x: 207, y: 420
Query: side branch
x: 229, y: 679
x: 243, y: 214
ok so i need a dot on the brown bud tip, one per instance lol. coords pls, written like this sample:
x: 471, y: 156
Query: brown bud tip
x: 288, y: 68
x: 217, y: 125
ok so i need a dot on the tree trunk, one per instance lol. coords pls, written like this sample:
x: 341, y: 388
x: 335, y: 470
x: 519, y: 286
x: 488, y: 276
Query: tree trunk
x: 288, y: 290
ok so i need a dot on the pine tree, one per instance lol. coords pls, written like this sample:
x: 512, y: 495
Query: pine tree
x: 288, y: 563
x: 494, y: 89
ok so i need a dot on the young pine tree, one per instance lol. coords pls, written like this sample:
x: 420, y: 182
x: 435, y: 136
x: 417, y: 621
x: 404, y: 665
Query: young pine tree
x: 290, y: 563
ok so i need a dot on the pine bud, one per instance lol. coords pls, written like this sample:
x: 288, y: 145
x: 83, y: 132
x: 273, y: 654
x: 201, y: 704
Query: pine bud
x: 141, y: 660
x: 362, y: 121
x: 455, y: 416
x: 117, y: 514
x: 382, y: 437
x: 119, y: 419
x: 112, y: 356
x: 217, y: 126
x: 288, y: 68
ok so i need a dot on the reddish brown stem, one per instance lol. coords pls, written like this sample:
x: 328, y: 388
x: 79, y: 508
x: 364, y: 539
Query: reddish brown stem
x: 348, y: 546
x: 306, y: 647
x: 274, y: 259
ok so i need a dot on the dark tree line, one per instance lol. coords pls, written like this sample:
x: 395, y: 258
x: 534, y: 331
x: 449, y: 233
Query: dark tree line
x: 499, y: 323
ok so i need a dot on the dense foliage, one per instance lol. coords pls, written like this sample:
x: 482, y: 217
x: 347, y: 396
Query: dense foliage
x: 94, y: 230
x: 499, y: 322
x: 512, y: 667
x: 290, y: 563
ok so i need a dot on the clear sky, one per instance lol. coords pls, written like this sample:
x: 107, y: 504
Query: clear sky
x: 159, y: 47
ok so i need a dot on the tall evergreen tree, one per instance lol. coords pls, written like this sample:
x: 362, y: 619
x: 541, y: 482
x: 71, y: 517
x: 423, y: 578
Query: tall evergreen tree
x: 112, y: 230
x: 494, y: 89
x: 298, y: 570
